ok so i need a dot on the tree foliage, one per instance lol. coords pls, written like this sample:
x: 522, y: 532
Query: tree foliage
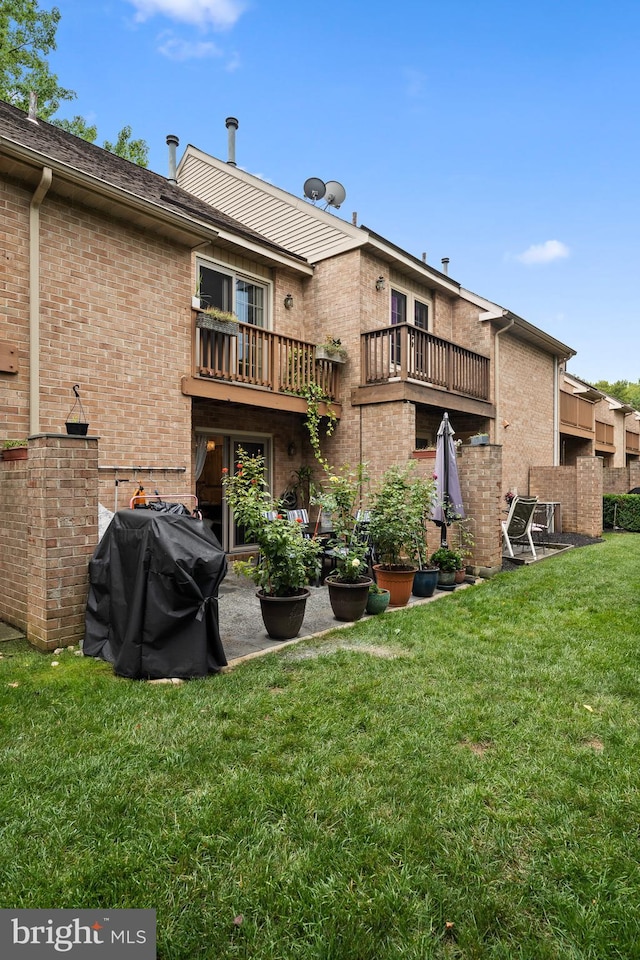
x: 27, y: 36
x: 623, y: 390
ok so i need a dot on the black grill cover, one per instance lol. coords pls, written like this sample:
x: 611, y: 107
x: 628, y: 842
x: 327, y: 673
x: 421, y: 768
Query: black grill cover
x: 152, y: 609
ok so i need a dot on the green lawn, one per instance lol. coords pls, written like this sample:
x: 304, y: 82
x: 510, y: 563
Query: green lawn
x: 463, y: 784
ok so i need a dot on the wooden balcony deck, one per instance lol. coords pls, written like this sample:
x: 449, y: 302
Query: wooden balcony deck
x: 258, y: 367
x: 405, y: 354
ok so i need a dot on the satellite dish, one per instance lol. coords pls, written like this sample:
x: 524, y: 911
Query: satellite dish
x: 314, y: 189
x: 335, y: 193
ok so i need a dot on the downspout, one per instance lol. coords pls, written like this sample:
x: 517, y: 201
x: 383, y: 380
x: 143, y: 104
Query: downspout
x: 34, y: 300
x: 556, y: 413
x: 496, y: 375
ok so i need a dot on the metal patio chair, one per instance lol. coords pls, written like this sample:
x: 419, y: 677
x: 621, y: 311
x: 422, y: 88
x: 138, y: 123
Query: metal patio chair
x: 516, y: 529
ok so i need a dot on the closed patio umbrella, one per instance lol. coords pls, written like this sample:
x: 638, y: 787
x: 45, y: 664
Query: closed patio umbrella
x: 448, y: 505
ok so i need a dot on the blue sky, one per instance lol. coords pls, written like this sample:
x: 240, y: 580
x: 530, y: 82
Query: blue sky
x: 502, y: 134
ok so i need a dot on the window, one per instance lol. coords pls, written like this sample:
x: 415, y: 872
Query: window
x: 405, y: 307
x: 229, y: 291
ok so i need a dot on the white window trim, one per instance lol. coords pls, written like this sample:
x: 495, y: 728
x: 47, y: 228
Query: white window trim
x: 411, y: 302
x: 229, y: 271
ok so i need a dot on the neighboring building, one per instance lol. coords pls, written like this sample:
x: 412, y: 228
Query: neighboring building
x: 595, y: 424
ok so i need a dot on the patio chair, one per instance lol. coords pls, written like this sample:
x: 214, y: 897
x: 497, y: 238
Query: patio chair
x: 303, y: 518
x: 516, y: 529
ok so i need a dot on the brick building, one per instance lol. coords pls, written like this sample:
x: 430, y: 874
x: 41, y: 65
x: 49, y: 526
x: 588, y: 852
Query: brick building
x: 102, y: 262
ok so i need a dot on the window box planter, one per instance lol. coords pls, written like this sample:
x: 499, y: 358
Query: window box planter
x: 326, y: 353
x: 208, y: 321
x: 479, y: 440
x: 423, y: 455
x: 15, y: 453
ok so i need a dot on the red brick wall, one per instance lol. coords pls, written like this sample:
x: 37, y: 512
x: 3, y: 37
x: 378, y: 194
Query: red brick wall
x: 63, y: 534
x: 14, y: 516
x: 578, y: 489
x: 480, y: 472
x: 526, y: 403
x: 49, y: 530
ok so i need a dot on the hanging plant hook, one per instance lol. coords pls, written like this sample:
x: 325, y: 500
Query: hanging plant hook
x: 76, y: 390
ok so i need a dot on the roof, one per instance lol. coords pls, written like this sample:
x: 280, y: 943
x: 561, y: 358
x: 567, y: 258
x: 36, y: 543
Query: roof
x: 301, y: 226
x: 507, y: 319
x: 86, y: 171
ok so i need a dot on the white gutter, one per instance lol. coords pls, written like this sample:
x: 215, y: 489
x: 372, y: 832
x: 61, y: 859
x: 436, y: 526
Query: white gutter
x: 556, y: 412
x: 34, y: 300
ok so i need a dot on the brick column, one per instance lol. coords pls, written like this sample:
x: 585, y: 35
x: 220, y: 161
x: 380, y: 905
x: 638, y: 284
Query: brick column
x: 480, y: 470
x: 62, y: 508
x: 589, y: 487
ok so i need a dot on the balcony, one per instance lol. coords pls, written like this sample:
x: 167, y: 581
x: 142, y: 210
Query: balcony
x: 605, y: 437
x: 403, y: 362
x: 577, y: 416
x: 260, y: 368
x: 632, y: 442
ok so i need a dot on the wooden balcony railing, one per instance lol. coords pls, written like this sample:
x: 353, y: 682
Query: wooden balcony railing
x: 632, y: 442
x: 406, y: 353
x: 604, y: 433
x: 576, y: 412
x: 261, y: 358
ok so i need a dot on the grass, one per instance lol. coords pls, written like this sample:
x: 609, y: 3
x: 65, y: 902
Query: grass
x: 474, y: 795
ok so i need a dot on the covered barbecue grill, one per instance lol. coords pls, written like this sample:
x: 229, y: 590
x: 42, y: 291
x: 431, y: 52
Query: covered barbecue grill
x: 152, y: 609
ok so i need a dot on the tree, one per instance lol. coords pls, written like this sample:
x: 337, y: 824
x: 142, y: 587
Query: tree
x: 622, y: 390
x: 135, y: 150
x: 27, y: 36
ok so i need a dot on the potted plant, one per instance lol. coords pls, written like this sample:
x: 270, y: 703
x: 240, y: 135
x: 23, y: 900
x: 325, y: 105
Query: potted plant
x: 76, y: 423
x: 398, y: 513
x: 14, y: 450
x: 447, y: 561
x: 331, y: 349
x: 348, y: 546
x: 222, y: 321
x: 378, y: 599
x: 287, y: 561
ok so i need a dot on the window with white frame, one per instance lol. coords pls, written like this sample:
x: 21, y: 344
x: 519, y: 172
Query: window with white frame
x: 245, y: 296
x: 407, y: 307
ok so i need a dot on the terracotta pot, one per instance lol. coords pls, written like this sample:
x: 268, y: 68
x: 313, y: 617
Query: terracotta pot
x: 283, y: 616
x: 425, y: 582
x: 398, y: 581
x: 348, y: 600
x: 460, y: 576
x: 15, y: 453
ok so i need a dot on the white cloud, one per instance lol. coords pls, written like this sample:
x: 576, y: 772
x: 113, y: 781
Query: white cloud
x: 174, y: 48
x: 216, y: 13
x: 544, y: 252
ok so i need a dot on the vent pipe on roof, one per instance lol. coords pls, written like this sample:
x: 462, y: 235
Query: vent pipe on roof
x: 33, y: 107
x: 232, y: 125
x: 172, y: 143
x: 424, y: 257
x: 445, y: 265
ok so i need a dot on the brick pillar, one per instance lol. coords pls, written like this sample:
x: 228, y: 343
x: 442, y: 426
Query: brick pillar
x: 480, y: 470
x: 589, y: 488
x: 62, y: 508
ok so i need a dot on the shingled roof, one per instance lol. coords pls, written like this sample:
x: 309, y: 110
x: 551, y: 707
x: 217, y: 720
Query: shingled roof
x: 57, y: 146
